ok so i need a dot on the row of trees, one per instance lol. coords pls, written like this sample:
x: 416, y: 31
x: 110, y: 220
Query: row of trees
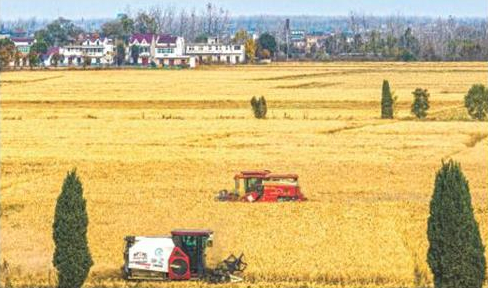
x: 407, y: 47
x: 475, y: 101
x: 192, y: 25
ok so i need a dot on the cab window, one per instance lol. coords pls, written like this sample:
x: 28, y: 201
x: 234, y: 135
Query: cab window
x: 252, y: 183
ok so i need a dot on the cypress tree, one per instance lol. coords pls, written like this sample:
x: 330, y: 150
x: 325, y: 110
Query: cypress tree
x: 386, y: 101
x: 420, y: 103
x: 456, y: 252
x: 255, y: 107
x: 263, y: 107
x: 72, y: 256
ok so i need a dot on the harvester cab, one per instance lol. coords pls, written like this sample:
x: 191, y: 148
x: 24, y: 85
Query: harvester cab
x: 263, y: 186
x: 194, y: 244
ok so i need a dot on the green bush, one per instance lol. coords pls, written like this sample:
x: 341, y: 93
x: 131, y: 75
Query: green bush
x: 456, y: 252
x: 476, y: 101
x: 420, y: 103
x: 259, y: 107
x: 72, y: 256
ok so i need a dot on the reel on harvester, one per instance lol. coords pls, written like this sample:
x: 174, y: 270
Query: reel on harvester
x: 226, y: 270
x: 226, y: 196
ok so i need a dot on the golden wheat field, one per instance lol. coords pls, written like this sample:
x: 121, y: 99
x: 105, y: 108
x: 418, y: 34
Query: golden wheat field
x: 152, y: 148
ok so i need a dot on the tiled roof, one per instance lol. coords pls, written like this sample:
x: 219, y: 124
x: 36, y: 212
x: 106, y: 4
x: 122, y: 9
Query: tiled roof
x: 22, y: 39
x: 139, y: 37
x: 52, y: 50
x: 166, y: 39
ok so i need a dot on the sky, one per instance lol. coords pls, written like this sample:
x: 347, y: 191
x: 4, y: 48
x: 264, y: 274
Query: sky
x: 49, y: 9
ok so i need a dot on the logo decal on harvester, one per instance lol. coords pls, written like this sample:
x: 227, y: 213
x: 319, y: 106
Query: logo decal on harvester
x: 140, y: 257
x: 158, y: 252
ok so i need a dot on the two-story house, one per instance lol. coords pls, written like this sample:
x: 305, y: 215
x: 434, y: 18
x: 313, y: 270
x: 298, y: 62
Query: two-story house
x: 170, y: 51
x: 141, y: 49
x: 215, y: 52
x: 163, y: 50
x: 97, y: 50
x: 23, y: 44
x: 298, y: 39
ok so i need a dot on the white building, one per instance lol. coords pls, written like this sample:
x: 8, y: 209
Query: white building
x: 99, y: 51
x: 215, y: 52
x: 162, y: 50
x: 22, y: 44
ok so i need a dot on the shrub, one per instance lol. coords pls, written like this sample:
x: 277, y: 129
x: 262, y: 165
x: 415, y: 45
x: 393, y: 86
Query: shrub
x: 456, y: 253
x: 387, y: 101
x: 420, y: 103
x: 476, y: 101
x: 72, y: 256
x: 259, y: 107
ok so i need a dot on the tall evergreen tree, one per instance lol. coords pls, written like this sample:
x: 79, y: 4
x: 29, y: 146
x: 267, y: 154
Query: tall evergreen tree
x: 72, y: 256
x: 387, y: 101
x: 420, y: 103
x: 456, y: 252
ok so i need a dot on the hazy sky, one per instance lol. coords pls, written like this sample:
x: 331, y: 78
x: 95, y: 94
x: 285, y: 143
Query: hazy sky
x: 13, y: 9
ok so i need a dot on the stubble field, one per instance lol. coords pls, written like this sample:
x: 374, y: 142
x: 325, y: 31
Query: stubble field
x: 153, y: 147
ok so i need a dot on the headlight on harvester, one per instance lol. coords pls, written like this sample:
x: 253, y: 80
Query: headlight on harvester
x: 210, y: 241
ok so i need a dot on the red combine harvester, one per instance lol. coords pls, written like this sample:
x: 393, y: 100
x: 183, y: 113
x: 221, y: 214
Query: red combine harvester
x: 180, y: 256
x: 263, y: 186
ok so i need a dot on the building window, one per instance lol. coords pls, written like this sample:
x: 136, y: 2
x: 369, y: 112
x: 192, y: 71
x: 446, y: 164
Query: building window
x: 237, y: 47
x: 165, y: 50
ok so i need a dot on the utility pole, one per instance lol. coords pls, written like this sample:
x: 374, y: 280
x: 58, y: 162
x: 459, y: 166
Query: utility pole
x: 287, y: 37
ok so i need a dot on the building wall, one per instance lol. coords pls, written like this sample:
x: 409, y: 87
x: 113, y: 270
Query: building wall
x: 101, y: 54
x: 217, y: 53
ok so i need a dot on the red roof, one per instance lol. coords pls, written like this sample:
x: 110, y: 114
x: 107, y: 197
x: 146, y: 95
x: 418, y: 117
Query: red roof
x: 190, y: 232
x: 167, y: 39
x: 52, y: 50
x: 22, y: 39
x: 139, y: 37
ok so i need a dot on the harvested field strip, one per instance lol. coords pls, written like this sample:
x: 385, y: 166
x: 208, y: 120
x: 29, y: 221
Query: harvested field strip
x: 30, y: 81
x: 217, y: 104
x: 310, y: 85
x: 475, y: 139
x: 355, y: 126
x: 365, y: 71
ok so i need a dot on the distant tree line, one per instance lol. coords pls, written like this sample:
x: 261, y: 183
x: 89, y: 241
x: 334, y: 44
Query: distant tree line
x: 190, y: 24
x: 394, y: 38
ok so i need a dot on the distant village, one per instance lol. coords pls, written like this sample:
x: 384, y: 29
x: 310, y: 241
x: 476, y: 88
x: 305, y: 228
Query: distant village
x: 155, y: 50
x: 160, y: 38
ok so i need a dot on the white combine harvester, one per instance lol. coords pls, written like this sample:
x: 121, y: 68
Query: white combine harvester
x: 180, y: 256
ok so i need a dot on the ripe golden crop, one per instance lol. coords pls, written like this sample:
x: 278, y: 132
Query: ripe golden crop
x: 153, y: 147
